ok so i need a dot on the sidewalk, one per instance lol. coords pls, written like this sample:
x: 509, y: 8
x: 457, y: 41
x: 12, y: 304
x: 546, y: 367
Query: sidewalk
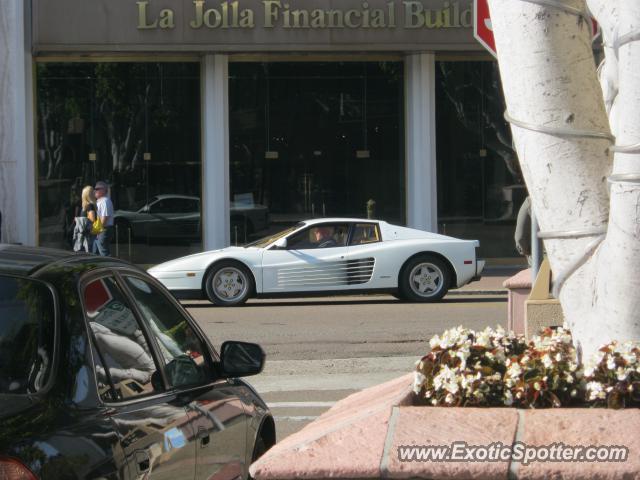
x: 491, y: 281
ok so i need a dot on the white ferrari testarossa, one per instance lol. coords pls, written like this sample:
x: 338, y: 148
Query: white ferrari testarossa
x: 328, y: 256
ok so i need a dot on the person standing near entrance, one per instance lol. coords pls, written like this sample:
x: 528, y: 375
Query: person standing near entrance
x: 102, y: 243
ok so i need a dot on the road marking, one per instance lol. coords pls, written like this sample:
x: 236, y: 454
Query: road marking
x: 296, y: 418
x: 300, y: 404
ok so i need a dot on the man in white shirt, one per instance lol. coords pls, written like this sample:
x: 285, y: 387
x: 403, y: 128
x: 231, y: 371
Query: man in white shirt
x: 105, y: 214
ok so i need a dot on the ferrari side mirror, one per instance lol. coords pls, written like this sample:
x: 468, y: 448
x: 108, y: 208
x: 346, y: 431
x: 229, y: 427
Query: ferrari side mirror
x: 281, y: 243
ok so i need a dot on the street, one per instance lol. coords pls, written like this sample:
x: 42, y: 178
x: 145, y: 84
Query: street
x: 319, y: 350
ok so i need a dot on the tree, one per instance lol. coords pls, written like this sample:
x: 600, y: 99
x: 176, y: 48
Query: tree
x: 587, y: 200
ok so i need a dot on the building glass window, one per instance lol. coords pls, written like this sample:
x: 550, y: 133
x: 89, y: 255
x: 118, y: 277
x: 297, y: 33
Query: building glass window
x: 134, y: 125
x: 313, y: 139
x: 480, y: 186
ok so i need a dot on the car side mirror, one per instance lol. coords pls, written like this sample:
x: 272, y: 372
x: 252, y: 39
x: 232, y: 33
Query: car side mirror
x: 241, y: 359
x: 281, y: 243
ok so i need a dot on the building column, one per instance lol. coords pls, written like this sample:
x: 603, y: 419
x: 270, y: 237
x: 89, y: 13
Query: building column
x: 17, y: 164
x: 420, y: 127
x: 215, y: 142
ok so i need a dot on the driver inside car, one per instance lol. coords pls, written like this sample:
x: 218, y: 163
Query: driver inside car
x: 323, y: 237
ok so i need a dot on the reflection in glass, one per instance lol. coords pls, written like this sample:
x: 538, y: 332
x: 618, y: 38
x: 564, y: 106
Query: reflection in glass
x: 182, y: 351
x: 135, y: 125
x: 480, y: 186
x: 27, y: 316
x: 126, y: 366
x: 314, y: 139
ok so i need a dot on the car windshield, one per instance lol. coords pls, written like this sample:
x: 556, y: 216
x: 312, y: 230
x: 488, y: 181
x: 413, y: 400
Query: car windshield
x: 27, y: 317
x: 140, y: 204
x: 263, y: 242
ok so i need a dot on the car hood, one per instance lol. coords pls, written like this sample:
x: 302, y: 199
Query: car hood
x: 199, y: 261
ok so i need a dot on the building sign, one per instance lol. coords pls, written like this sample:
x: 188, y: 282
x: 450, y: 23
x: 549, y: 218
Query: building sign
x: 252, y: 25
x: 276, y: 14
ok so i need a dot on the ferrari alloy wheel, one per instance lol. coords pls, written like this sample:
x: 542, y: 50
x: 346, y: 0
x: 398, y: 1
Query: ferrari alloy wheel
x: 228, y: 283
x: 425, y: 279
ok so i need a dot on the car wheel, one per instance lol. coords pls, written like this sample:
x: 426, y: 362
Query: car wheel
x: 228, y: 284
x: 425, y: 279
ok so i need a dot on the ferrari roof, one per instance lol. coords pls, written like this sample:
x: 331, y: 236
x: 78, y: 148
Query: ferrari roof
x: 314, y: 221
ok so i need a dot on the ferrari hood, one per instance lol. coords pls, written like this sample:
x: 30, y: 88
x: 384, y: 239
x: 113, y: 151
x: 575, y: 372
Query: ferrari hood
x: 197, y: 261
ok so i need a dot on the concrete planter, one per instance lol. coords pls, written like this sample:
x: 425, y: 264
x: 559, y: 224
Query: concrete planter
x: 359, y: 438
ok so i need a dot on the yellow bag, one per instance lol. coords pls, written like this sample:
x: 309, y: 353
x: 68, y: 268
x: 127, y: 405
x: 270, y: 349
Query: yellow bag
x: 97, y: 227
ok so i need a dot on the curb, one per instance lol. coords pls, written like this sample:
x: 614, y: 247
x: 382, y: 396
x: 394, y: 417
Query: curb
x: 478, y: 292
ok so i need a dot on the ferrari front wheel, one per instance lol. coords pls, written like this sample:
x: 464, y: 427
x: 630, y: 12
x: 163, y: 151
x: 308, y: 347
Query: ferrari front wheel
x: 228, y: 284
x: 425, y: 279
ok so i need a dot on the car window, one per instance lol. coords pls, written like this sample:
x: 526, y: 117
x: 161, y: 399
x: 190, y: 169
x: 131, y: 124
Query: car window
x: 184, y: 355
x: 162, y: 206
x: 125, y: 367
x: 27, y: 323
x: 364, y: 233
x: 326, y: 235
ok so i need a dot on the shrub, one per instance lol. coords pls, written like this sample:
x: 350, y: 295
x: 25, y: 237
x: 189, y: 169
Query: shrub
x: 496, y: 368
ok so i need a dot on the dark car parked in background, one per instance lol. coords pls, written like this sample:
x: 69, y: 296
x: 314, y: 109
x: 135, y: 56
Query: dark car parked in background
x: 104, y: 375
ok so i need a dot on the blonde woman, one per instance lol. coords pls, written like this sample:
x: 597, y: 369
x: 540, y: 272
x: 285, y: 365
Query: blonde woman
x: 88, y: 211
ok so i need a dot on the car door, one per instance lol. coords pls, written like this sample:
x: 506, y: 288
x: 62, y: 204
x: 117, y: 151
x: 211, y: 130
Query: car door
x: 174, y: 218
x: 151, y: 422
x: 216, y: 414
x: 313, y: 260
x: 371, y: 260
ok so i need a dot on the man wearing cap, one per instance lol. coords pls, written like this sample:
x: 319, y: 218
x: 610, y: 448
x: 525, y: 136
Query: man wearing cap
x: 105, y: 214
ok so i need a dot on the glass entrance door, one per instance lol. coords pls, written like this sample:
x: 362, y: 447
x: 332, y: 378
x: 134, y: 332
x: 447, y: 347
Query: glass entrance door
x: 311, y: 139
x: 135, y: 126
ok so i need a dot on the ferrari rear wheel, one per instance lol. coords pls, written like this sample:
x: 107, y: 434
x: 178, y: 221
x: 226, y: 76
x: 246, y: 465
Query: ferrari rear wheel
x: 229, y: 284
x: 425, y: 279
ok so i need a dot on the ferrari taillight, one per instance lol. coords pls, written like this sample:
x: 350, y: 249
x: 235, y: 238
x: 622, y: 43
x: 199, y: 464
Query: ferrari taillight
x: 12, y: 469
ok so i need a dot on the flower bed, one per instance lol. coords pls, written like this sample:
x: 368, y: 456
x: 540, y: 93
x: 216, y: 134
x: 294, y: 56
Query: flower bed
x: 496, y: 368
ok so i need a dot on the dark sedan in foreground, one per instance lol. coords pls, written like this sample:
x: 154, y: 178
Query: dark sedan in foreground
x: 104, y: 375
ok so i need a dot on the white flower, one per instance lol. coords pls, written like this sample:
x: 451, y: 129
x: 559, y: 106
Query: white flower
x: 508, y: 398
x: 597, y: 358
x: 546, y: 360
x: 622, y: 374
x: 514, y: 370
x: 483, y: 339
x: 418, y: 381
x: 611, y: 363
x: 574, y: 392
x: 449, y: 398
x: 558, y: 357
x: 595, y: 390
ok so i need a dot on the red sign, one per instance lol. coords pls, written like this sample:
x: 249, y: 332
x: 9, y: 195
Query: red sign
x: 483, y: 31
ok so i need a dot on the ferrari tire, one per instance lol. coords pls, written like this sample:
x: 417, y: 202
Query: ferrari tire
x: 425, y: 279
x: 228, y: 284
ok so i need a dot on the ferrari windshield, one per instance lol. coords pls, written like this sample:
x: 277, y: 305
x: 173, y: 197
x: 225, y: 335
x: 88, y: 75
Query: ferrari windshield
x: 263, y: 242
